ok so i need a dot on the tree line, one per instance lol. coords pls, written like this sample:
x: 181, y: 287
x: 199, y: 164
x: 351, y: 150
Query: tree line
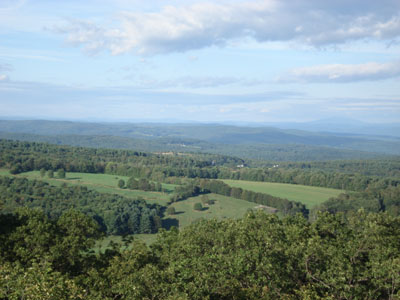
x: 373, y: 199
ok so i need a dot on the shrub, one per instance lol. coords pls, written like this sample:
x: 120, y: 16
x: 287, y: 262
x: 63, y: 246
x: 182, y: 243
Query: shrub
x: 60, y: 173
x: 171, y: 210
x: 121, y: 183
x: 198, y: 206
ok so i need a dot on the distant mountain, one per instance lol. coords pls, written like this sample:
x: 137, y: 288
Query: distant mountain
x: 208, y: 134
x: 344, y: 125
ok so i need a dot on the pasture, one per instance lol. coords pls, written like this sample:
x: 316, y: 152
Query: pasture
x: 103, y: 183
x: 224, y: 207
x: 308, y: 195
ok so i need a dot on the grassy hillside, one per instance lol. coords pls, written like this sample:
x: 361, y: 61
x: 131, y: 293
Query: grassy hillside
x: 224, y: 207
x: 102, y: 183
x: 308, y: 195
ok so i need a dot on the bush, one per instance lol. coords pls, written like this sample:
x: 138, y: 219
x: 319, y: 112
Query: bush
x: 171, y: 210
x: 16, y: 169
x: 198, y: 206
x: 60, y: 173
x: 205, y: 199
x: 121, y: 183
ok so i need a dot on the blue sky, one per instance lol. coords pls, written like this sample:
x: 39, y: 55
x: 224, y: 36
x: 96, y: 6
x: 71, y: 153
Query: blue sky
x: 216, y: 61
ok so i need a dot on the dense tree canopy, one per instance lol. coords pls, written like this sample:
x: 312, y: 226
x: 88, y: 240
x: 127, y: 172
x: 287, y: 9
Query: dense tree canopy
x: 257, y: 257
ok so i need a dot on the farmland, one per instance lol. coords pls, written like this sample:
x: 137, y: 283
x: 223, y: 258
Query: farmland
x: 309, y: 195
x: 224, y: 207
x: 103, y: 183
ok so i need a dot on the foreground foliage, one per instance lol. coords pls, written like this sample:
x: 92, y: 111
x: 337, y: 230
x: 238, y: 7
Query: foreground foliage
x: 257, y: 257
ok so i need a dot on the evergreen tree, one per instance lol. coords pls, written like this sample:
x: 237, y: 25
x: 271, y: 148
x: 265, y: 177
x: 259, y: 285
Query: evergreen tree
x: 145, y: 223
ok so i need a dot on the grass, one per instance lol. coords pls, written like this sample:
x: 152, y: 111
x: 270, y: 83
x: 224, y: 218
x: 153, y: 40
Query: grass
x: 308, y: 195
x: 103, y: 183
x: 224, y: 207
x: 4, y: 172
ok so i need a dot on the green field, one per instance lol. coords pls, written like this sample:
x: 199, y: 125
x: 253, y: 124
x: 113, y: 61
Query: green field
x: 308, y: 195
x: 224, y: 207
x: 4, y: 172
x: 102, y: 183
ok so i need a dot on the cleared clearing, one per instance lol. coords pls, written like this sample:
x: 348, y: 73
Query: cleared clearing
x: 224, y: 207
x: 103, y: 183
x: 309, y: 195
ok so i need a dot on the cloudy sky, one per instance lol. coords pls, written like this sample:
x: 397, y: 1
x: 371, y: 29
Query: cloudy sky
x: 189, y: 60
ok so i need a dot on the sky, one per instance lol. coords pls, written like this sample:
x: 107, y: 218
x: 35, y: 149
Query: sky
x: 187, y: 60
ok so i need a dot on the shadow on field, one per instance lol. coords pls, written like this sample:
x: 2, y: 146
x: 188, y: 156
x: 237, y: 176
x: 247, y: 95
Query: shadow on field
x: 168, y: 223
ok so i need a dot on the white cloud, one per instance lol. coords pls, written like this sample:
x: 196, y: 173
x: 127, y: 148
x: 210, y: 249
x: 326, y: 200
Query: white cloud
x: 343, y: 73
x: 5, y: 68
x: 3, y: 77
x: 182, y: 28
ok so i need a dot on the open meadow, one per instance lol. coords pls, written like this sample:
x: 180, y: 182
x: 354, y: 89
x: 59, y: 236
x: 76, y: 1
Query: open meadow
x: 103, y: 183
x: 224, y: 207
x: 308, y: 195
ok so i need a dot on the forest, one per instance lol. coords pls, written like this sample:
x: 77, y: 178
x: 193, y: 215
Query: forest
x: 344, y: 248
